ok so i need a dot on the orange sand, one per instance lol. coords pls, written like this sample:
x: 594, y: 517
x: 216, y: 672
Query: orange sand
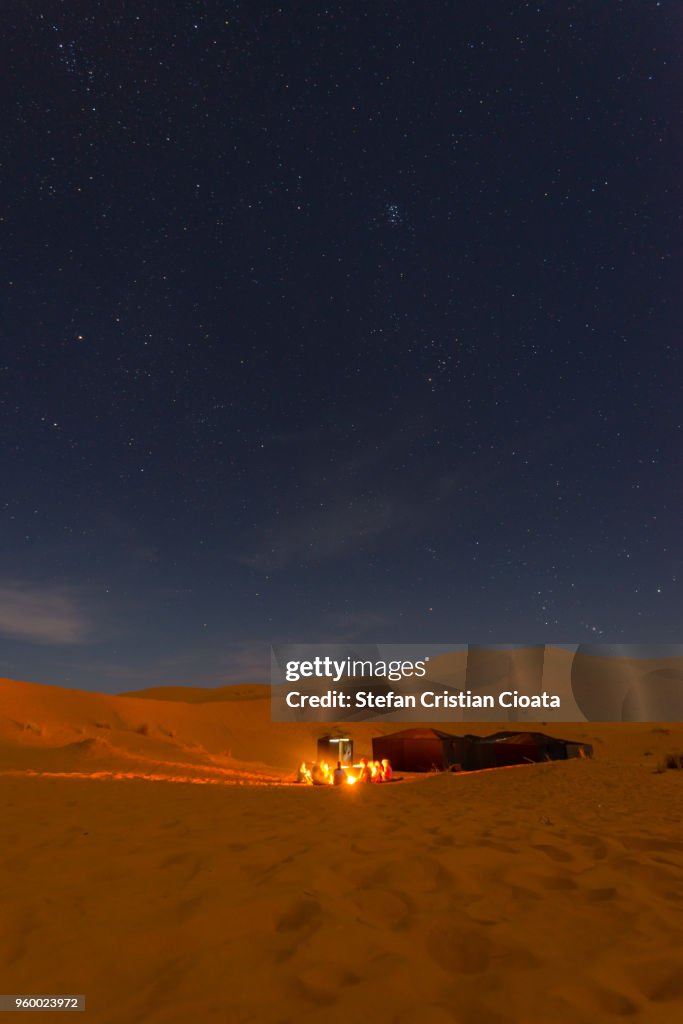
x: 545, y: 892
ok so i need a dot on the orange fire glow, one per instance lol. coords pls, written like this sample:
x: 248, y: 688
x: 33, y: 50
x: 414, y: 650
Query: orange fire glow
x: 321, y: 774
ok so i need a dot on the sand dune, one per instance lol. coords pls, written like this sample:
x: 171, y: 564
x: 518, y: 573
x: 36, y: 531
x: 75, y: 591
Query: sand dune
x: 457, y: 898
x: 43, y: 726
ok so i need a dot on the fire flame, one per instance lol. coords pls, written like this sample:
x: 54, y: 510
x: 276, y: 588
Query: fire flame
x: 321, y: 774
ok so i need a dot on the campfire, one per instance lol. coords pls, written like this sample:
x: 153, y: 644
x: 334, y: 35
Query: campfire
x: 320, y: 773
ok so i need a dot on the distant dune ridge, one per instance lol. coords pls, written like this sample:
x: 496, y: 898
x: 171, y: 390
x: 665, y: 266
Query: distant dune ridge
x: 49, y: 728
x: 203, y: 694
x: 455, y: 899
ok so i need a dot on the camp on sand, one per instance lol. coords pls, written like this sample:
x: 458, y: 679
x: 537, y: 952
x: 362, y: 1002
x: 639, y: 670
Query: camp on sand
x: 424, y: 750
x: 431, y: 750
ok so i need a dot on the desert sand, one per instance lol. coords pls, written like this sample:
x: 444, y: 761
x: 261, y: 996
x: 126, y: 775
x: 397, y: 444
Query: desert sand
x: 155, y: 856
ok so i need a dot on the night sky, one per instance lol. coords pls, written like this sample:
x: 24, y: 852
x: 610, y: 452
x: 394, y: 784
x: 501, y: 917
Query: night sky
x: 335, y: 322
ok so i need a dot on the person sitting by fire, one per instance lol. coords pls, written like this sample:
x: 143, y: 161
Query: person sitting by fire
x: 365, y: 773
x: 376, y: 771
x: 387, y: 771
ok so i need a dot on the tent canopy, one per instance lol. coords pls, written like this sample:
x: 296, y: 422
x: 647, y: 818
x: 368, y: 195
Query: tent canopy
x: 420, y: 750
x: 416, y: 750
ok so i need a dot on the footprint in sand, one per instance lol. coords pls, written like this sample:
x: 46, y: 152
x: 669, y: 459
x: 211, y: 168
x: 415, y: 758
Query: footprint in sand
x: 492, y: 844
x: 444, y: 839
x: 653, y: 875
x: 605, y: 1001
x: 554, y: 852
x: 557, y: 882
x: 475, y: 951
x: 15, y: 951
x: 188, y: 861
x: 604, y: 895
x: 660, y: 981
x: 651, y: 845
x: 426, y: 874
x: 323, y: 984
x: 437, y: 837
x: 596, y: 847
x: 465, y: 951
x: 362, y: 850
x: 304, y: 916
x: 384, y: 908
x: 523, y: 893
x: 188, y: 908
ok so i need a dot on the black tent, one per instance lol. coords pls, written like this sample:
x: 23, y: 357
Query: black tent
x: 423, y: 750
x: 506, y: 748
x: 416, y: 750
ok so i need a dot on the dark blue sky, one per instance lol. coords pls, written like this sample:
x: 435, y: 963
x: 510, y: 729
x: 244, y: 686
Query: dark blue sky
x: 332, y: 322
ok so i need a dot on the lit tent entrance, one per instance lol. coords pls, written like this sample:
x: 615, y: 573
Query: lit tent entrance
x: 335, y: 747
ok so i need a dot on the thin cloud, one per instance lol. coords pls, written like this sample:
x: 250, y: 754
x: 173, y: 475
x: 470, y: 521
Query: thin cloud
x: 328, y: 534
x: 339, y: 521
x: 42, y: 614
